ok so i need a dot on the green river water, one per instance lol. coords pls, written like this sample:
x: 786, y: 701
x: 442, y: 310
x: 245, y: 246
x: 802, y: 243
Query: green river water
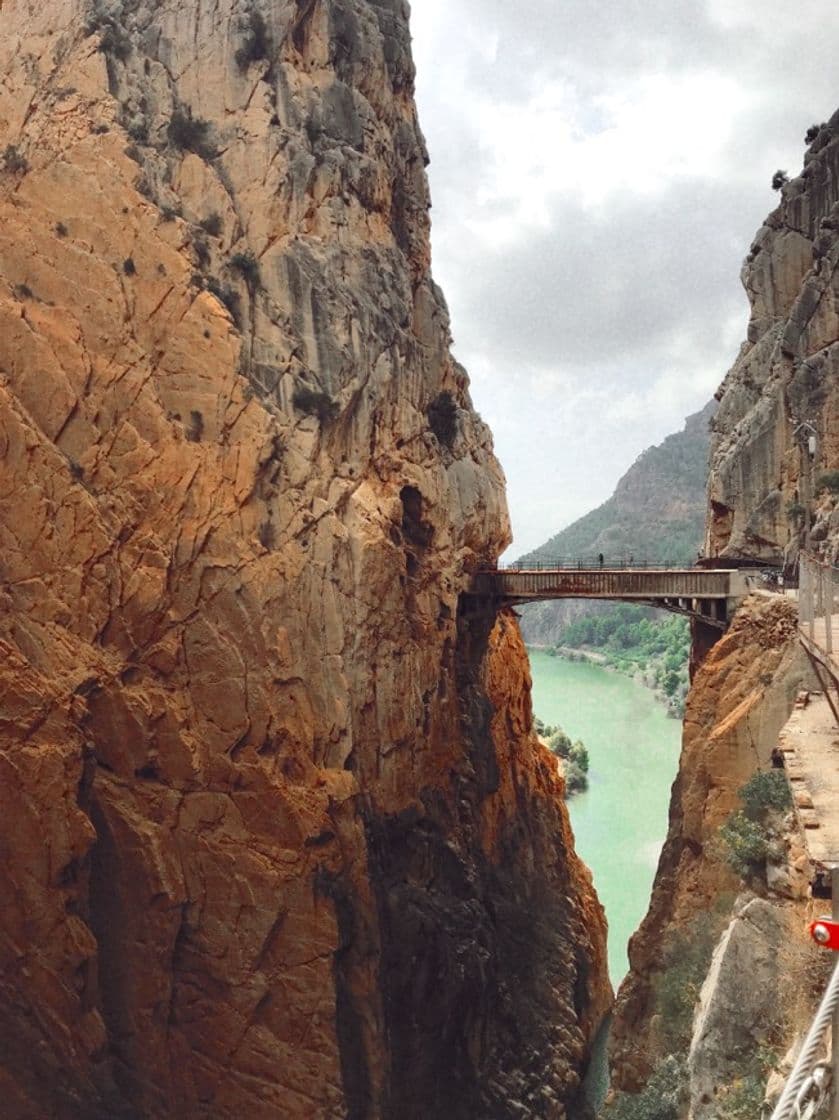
x: 621, y: 821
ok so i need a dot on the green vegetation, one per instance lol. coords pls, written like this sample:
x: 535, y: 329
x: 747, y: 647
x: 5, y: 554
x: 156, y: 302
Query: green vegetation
x: 314, y: 402
x: 257, y: 44
x: 663, y: 1098
x: 742, y: 1099
x: 764, y: 793
x: 746, y: 834
x: 191, y: 134
x: 575, y: 759
x: 779, y: 180
x: 247, y: 266
x: 639, y: 642
x: 687, y: 956
x: 211, y: 224
x: 114, y: 40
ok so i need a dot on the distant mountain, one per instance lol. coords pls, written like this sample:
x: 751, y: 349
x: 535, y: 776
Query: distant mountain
x: 657, y: 513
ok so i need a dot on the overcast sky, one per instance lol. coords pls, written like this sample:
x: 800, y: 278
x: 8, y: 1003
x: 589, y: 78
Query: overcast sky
x: 598, y: 171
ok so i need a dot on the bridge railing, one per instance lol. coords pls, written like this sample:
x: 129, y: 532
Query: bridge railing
x: 578, y: 563
x: 818, y: 602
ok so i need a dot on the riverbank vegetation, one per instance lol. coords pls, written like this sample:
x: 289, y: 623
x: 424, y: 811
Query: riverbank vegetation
x: 647, y: 645
x: 575, y: 760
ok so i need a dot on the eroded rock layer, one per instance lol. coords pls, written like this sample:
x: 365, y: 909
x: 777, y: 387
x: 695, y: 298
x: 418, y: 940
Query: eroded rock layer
x: 278, y: 838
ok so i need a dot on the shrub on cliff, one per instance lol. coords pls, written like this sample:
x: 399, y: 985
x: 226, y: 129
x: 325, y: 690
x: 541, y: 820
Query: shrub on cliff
x: 247, y: 266
x: 779, y: 180
x: 257, y: 44
x: 744, y: 845
x: 746, y: 834
x: 686, y: 957
x: 190, y: 134
x: 314, y: 402
x: 574, y: 755
x: 764, y: 793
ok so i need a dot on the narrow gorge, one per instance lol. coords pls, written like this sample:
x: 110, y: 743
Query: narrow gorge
x: 279, y: 838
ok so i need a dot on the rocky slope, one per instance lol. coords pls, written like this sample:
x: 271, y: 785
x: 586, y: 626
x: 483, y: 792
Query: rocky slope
x: 656, y: 513
x: 766, y: 477
x: 278, y: 837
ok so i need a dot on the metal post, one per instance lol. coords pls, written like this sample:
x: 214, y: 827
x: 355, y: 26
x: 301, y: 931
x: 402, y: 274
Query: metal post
x: 834, y: 1043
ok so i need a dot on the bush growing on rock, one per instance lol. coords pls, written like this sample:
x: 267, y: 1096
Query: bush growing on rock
x: 247, y: 266
x: 779, y: 180
x: 314, y: 402
x: 211, y: 224
x: 764, y: 793
x: 575, y: 758
x: 746, y: 835
x: 257, y: 45
x: 190, y: 134
x: 744, y: 844
x: 686, y: 958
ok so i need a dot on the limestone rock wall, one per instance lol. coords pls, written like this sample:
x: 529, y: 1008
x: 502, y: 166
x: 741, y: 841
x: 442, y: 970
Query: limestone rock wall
x: 784, y: 387
x: 278, y: 839
x: 740, y: 699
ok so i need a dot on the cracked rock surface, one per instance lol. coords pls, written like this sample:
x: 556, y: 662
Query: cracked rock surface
x: 278, y: 838
x: 739, y: 701
x: 784, y: 386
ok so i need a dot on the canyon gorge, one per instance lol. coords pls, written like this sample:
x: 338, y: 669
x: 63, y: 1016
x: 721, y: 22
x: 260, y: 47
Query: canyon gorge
x: 279, y: 838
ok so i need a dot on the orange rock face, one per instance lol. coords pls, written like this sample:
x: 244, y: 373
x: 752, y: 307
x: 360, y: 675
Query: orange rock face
x: 740, y: 699
x: 278, y: 838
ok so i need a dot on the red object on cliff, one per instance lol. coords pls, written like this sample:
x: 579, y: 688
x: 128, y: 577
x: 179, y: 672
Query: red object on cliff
x: 825, y: 932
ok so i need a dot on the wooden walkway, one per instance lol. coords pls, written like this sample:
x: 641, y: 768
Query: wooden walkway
x: 810, y: 746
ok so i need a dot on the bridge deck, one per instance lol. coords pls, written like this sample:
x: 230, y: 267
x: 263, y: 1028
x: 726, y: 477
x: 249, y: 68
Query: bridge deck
x: 606, y: 583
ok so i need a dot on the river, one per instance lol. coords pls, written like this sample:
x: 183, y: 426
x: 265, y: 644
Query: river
x: 621, y: 821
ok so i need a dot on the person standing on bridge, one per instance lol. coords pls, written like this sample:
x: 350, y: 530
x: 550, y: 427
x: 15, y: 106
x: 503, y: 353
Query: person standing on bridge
x: 600, y: 559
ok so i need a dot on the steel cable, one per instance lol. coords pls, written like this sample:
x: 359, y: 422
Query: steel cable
x: 807, y: 1057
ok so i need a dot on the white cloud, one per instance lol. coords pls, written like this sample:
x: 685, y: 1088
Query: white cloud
x: 597, y: 175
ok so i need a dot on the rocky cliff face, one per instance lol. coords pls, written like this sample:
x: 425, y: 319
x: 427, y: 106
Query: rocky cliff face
x: 278, y: 838
x: 741, y: 697
x: 784, y: 387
